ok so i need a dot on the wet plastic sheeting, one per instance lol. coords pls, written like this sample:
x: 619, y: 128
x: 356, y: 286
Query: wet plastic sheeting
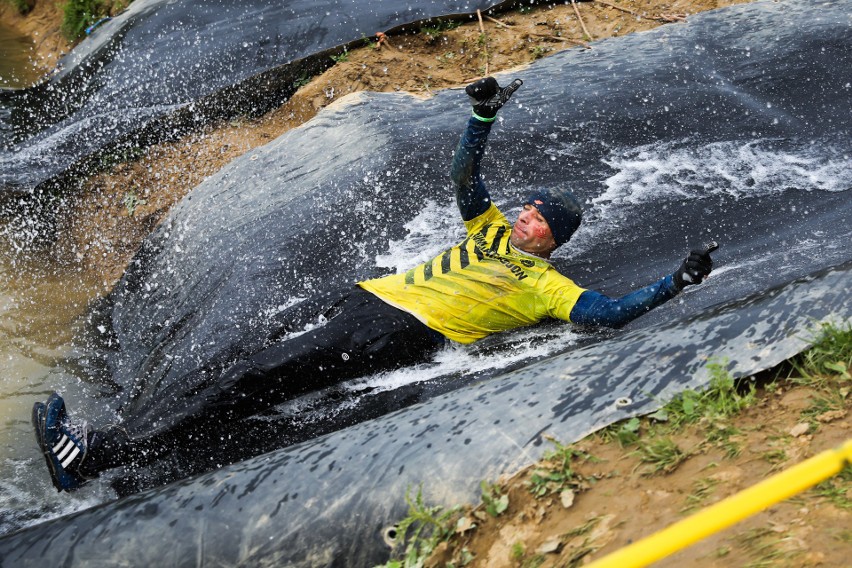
x: 204, y: 57
x: 665, y: 155
x: 327, y: 502
x: 671, y: 137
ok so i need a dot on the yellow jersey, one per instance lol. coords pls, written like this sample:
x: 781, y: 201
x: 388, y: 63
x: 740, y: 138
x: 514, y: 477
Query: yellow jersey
x: 480, y: 286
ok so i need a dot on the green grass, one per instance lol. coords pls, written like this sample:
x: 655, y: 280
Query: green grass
x: 496, y: 502
x: 702, y: 490
x: 438, y: 29
x: 539, y: 51
x: 341, y: 57
x: 721, y: 399
x: 838, y: 489
x: 115, y: 156
x: 764, y: 547
x: 625, y: 432
x: 421, y: 531
x: 830, y: 356
x: 22, y: 6
x: 303, y: 80
x: 825, y: 368
x: 726, y: 437
x: 555, y: 472
x: 575, y: 557
x: 77, y: 15
x: 132, y: 201
x: 660, y: 454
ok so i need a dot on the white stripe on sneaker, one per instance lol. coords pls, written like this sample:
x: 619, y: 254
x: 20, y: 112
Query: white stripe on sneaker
x: 71, y: 457
x: 59, y: 445
x: 69, y: 445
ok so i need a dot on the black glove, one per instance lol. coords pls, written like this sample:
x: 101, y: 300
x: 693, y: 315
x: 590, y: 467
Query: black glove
x: 695, y: 268
x: 487, y: 97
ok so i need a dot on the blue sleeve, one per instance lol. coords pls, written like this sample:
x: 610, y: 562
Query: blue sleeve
x: 471, y: 195
x: 594, y: 308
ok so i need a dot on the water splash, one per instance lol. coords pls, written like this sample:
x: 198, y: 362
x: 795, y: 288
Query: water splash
x: 673, y: 170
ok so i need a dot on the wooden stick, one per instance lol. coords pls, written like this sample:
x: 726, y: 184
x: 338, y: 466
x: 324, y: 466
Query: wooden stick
x: 482, y: 29
x: 631, y: 12
x: 496, y: 21
x: 569, y: 40
x: 547, y: 36
x: 660, y: 17
x: 577, y: 11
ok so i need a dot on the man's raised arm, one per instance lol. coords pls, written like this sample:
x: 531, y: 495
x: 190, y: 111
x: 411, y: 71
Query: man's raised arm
x: 486, y: 97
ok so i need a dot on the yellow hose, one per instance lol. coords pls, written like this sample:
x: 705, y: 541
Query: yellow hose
x: 731, y: 510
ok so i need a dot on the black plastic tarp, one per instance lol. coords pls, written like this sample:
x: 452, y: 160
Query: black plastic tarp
x: 313, y: 209
x: 733, y: 127
x: 331, y: 501
x: 165, y: 65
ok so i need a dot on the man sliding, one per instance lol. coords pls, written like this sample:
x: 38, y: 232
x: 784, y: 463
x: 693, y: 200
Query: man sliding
x: 498, y: 278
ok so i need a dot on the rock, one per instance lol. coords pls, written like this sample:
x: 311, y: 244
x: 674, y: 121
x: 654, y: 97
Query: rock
x: 800, y: 429
x: 550, y: 546
x: 831, y: 416
x: 567, y: 498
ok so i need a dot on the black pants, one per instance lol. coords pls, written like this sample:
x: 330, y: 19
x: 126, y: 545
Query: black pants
x: 361, y: 334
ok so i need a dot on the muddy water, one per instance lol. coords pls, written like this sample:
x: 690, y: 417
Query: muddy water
x: 40, y: 307
x: 16, y: 69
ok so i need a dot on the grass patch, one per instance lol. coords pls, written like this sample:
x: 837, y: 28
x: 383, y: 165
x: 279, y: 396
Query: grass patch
x: 77, y: 15
x: 556, y: 471
x: 21, y: 6
x: 438, y: 29
x: 831, y: 355
x: 539, y: 51
x: 421, y: 531
x: 112, y: 157
x: 576, y: 556
x: 825, y: 368
x: 775, y: 456
x: 838, y: 489
x: 726, y: 437
x: 341, y: 57
x: 721, y: 399
x: 661, y: 455
x: 496, y: 502
x: 764, y: 547
x: 132, y: 202
x: 626, y: 432
x: 303, y: 80
x: 702, y: 489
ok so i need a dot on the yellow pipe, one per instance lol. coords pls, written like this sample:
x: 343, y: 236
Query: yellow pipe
x: 729, y: 511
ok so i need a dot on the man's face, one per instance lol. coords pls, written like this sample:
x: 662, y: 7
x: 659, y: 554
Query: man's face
x: 532, y: 234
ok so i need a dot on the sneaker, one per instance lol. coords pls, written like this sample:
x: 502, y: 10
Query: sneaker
x: 63, y: 443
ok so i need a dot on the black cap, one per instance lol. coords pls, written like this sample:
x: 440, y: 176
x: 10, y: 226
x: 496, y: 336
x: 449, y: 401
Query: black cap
x: 560, y: 209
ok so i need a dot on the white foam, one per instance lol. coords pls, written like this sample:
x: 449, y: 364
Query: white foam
x: 669, y: 171
x: 437, y: 227
x: 457, y: 359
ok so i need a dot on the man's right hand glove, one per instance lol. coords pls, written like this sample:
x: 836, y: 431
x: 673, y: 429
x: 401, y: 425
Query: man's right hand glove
x: 487, y: 96
x: 695, y: 267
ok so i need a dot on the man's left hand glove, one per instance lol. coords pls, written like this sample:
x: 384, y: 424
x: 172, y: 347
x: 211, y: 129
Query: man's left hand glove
x: 695, y: 267
x: 487, y: 96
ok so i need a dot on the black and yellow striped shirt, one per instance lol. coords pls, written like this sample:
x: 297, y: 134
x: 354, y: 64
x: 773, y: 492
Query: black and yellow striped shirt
x: 480, y: 286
